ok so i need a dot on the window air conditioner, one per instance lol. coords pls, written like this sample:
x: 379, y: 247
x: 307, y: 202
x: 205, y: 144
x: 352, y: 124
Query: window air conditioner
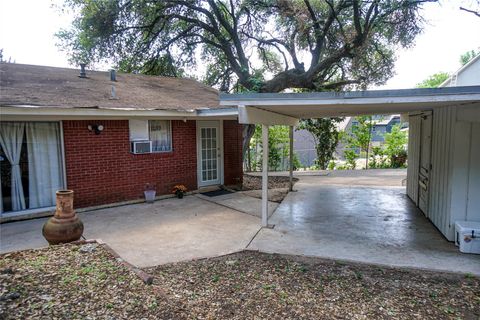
x: 140, y: 147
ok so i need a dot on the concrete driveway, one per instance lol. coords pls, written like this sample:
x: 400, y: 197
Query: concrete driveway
x: 361, y: 217
x: 151, y: 234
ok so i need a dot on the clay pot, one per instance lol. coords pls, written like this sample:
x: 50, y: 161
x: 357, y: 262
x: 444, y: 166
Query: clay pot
x: 64, y: 226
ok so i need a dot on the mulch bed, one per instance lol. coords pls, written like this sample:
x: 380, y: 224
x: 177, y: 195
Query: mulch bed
x: 62, y: 282
x: 251, y: 182
x: 75, y: 282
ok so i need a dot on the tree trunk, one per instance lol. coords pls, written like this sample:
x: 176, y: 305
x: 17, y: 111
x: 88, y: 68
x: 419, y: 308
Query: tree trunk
x: 248, y: 131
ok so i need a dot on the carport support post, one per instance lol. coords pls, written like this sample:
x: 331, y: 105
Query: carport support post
x: 290, y: 134
x: 264, y: 175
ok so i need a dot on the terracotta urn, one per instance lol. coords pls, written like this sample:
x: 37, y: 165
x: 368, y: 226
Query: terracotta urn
x: 64, y: 226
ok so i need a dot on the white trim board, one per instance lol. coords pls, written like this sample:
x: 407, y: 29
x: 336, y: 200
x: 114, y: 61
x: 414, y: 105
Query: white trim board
x: 22, y: 113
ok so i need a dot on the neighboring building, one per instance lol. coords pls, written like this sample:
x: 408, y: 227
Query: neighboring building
x: 467, y: 75
x: 382, y: 124
x: 59, y: 130
x: 304, y: 147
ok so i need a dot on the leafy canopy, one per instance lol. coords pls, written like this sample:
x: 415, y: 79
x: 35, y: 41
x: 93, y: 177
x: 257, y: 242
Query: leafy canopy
x: 257, y: 45
x: 467, y: 56
x: 434, y: 80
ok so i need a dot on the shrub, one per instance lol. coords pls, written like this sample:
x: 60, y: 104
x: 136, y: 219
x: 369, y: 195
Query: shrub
x: 350, y: 157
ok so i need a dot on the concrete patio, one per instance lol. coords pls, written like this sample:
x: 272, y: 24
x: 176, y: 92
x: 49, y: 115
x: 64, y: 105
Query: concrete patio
x: 356, y: 220
x: 151, y: 234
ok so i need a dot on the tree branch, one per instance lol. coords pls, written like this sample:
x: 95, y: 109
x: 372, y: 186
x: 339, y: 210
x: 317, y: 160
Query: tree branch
x: 471, y: 11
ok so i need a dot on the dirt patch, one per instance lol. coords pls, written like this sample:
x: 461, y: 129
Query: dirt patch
x: 274, y: 182
x: 65, y: 283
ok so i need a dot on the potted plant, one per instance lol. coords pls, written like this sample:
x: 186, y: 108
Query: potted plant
x: 149, y: 193
x: 179, y: 190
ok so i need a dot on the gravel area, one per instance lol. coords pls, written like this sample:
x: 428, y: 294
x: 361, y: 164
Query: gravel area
x: 63, y: 282
x: 251, y: 182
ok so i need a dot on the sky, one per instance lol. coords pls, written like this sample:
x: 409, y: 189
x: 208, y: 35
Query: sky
x: 27, y: 29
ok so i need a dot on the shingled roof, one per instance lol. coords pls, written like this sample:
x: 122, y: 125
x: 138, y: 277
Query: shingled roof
x: 30, y: 85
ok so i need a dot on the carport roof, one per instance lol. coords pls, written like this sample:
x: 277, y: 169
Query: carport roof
x: 328, y: 104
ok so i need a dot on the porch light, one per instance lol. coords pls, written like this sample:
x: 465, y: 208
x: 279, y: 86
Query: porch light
x: 97, y: 128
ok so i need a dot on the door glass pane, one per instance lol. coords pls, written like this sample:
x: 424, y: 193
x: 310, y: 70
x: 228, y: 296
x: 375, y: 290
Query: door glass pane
x: 209, y: 154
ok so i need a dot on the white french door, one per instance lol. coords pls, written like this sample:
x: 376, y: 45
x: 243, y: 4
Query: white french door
x: 209, y: 153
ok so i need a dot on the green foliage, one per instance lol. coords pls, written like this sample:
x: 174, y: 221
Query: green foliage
x: 350, y: 157
x: 278, y: 138
x: 395, y: 147
x: 331, y: 164
x: 393, y: 154
x: 256, y: 45
x: 433, y: 81
x: 296, y: 162
x: 326, y: 137
x: 361, y: 135
x: 467, y: 56
x: 395, y: 141
x: 162, y: 65
x: 378, y: 159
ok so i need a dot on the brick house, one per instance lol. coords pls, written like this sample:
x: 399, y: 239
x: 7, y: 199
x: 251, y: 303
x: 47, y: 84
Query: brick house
x: 107, y: 136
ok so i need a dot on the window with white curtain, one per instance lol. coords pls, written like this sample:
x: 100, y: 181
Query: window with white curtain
x: 31, y: 165
x: 160, y: 132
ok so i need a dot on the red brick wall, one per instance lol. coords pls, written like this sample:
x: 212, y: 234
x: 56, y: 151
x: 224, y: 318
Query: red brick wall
x: 101, y: 169
x: 232, y: 146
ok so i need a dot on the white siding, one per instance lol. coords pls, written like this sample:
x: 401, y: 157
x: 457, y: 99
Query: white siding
x: 454, y: 192
x: 414, y: 136
x: 442, y: 166
x: 473, y: 205
x: 466, y: 171
x: 470, y: 76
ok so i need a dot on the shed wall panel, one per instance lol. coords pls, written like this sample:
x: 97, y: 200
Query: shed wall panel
x: 442, y: 165
x: 473, y: 205
x: 461, y: 159
x: 414, y: 136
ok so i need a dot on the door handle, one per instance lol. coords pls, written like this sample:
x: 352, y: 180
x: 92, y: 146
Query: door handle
x: 423, y: 185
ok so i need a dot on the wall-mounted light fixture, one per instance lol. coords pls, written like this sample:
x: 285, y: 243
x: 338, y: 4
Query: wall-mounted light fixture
x: 97, y: 128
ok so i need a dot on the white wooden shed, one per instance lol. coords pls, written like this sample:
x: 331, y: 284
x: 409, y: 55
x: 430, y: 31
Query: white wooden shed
x: 443, y: 177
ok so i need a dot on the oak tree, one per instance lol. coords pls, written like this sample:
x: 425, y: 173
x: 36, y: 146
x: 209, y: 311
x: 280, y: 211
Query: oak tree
x: 247, y: 45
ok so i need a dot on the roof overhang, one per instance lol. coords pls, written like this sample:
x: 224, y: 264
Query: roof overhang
x: 28, y: 112
x: 287, y: 108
